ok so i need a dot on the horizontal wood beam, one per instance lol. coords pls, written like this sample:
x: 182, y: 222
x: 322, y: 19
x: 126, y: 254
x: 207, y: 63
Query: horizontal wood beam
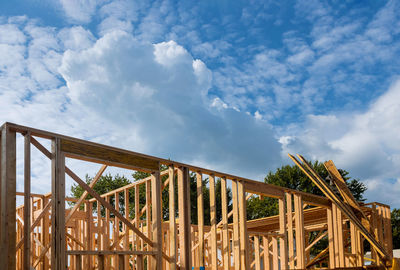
x: 110, y: 252
x: 93, y: 153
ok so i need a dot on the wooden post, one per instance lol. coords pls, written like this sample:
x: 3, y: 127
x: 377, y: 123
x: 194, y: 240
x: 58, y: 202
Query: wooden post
x: 299, y: 220
x: 172, y: 221
x: 100, y: 262
x: 236, y: 231
x: 225, y: 239
x: 126, y: 238
x: 184, y: 219
x: 267, y: 261
x: 388, y: 231
x: 78, y: 259
x: 283, y: 231
x: 106, y: 234
x: 290, y: 229
x: 257, y: 252
x: 137, y: 216
x: 27, y: 201
x: 339, y: 224
x: 46, y: 237
x: 148, y: 219
x: 157, y: 219
x: 244, y: 238
x: 213, y: 222
x: 200, y: 217
x: 121, y: 262
x: 335, y: 234
x: 139, y: 262
x: 89, y: 217
x: 331, y: 241
x: 58, y: 207
x: 275, y: 262
x: 8, y: 199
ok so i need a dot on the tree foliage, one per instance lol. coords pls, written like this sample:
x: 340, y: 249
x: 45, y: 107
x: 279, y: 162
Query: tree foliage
x: 396, y: 228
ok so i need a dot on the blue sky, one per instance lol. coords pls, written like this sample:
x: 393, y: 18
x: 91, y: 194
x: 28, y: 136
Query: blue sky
x: 229, y: 85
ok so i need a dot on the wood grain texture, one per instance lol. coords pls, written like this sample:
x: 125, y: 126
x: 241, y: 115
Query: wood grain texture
x: 98, y: 154
x: 8, y: 199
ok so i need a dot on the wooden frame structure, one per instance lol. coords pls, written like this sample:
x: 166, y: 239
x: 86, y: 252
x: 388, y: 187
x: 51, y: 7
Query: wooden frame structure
x: 115, y: 231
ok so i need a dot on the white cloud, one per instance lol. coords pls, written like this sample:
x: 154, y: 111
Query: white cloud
x: 150, y: 98
x: 76, y: 38
x: 157, y: 94
x: 366, y: 144
x: 80, y: 11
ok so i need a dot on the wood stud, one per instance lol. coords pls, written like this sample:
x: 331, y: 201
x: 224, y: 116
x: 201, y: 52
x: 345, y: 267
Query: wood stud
x: 83, y: 239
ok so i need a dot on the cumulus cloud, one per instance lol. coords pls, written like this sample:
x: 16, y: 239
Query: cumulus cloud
x: 118, y: 90
x: 366, y: 143
x: 157, y: 94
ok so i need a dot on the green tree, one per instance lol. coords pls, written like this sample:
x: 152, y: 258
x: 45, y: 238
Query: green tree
x: 396, y: 228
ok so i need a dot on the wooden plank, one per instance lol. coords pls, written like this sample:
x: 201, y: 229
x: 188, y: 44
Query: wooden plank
x: 353, y: 242
x: 27, y: 204
x: 236, y: 231
x: 100, y: 262
x: 137, y: 215
x: 148, y: 218
x: 213, y: 222
x: 110, y: 252
x: 283, y: 231
x: 93, y: 153
x: 299, y: 221
x: 388, y: 231
x: 88, y: 232
x: 225, y: 238
x: 106, y: 231
x: 266, y: 256
x: 257, y: 260
x: 331, y: 243
x: 374, y: 225
x: 157, y: 219
x: 339, y: 224
x: 335, y: 234
x: 290, y: 230
x: 256, y: 187
x: 341, y: 185
x: 184, y: 218
x: 172, y: 221
x: 273, y: 191
x: 116, y: 231
x: 244, y: 238
x: 8, y: 199
x: 126, y: 237
x: 275, y: 255
x: 58, y: 207
x: 139, y: 262
x: 78, y: 262
x: 200, y: 217
x: 121, y: 262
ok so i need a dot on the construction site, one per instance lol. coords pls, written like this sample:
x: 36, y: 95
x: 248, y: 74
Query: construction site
x: 114, y: 231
